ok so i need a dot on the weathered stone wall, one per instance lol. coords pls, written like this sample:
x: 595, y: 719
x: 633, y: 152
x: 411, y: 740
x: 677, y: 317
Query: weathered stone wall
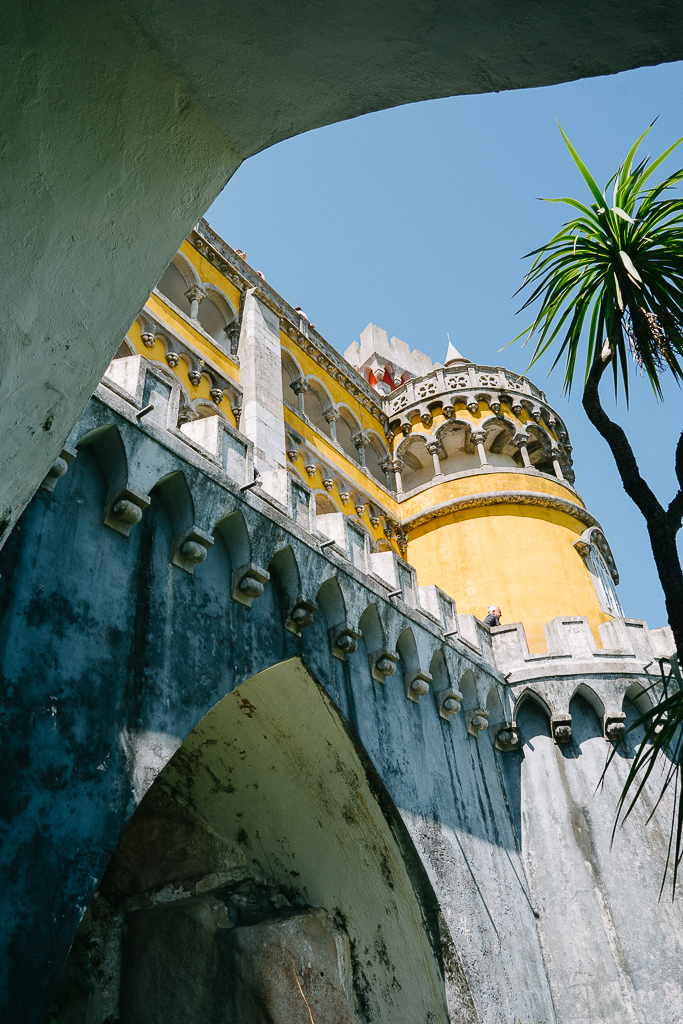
x: 125, y: 622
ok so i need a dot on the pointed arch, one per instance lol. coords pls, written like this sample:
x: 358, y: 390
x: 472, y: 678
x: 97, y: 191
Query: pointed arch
x: 371, y: 627
x: 331, y: 600
x: 233, y: 530
x: 407, y: 651
x: 589, y: 694
x: 175, y: 493
x: 494, y: 706
x: 468, y: 689
x: 284, y: 569
x: 528, y: 694
x: 107, y: 443
x: 438, y: 670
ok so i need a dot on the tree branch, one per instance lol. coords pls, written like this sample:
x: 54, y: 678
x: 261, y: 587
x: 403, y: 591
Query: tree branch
x: 679, y: 461
x: 634, y: 485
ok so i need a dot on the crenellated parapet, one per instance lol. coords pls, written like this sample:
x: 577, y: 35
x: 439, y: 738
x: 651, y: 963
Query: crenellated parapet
x: 623, y: 668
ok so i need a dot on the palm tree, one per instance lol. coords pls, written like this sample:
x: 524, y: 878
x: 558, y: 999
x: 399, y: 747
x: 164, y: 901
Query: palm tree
x: 611, y: 282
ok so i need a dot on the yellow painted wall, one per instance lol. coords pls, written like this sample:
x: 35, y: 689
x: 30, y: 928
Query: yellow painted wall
x: 519, y: 557
x: 211, y: 274
x: 335, y: 387
x: 484, y: 483
x: 158, y: 352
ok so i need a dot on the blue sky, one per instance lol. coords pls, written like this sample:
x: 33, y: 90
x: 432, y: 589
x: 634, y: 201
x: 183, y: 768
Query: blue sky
x: 416, y: 219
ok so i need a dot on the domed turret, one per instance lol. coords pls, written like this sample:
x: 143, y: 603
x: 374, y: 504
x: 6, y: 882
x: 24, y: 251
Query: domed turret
x: 486, y: 496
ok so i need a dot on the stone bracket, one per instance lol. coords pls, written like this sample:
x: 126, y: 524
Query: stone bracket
x: 561, y: 728
x: 59, y: 467
x: 476, y: 720
x: 247, y: 583
x: 382, y: 664
x: 448, y: 702
x: 505, y: 737
x: 615, y: 726
x: 343, y: 640
x: 300, y: 615
x: 417, y: 684
x: 123, y: 509
x: 190, y: 548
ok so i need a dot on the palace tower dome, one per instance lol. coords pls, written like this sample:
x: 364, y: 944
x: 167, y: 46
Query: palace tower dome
x: 486, y: 497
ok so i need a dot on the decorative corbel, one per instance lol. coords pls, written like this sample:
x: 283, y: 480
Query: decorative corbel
x: 505, y: 737
x: 123, y: 509
x: 190, y: 548
x: 476, y: 720
x: 615, y: 726
x: 300, y: 615
x: 417, y: 684
x: 343, y: 640
x: 448, y: 702
x: 247, y: 583
x: 382, y: 664
x: 561, y: 728
x: 59, y: 467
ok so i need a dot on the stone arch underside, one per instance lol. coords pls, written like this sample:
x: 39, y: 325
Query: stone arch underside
x: 270, y: 825
x: 161, y: 132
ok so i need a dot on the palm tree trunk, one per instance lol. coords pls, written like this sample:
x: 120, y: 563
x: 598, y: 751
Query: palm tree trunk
x: 662, y: 524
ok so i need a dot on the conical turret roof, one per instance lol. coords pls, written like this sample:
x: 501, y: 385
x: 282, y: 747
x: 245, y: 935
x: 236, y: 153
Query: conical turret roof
x: 453, y: 356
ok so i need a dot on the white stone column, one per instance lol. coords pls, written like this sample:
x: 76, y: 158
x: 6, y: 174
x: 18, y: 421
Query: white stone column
x: 521, y: 442
x: 261, y: 379
x: 397, y: 467
x: 555, y: 455
x: 300, y: 387
x: 195, y: 295
x: 360, y: 442
x: 332, y: 415
x: 434, y: 448
x: 478, y: 438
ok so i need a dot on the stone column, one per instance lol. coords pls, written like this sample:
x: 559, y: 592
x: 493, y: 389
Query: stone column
x: 478, y: 438
x: 261, y: 380
x: 300, y: 387
x: 195, y: 295
x: 556, y: 455
x: 521, y: 443
x: 386, y: 466
x: 434, y: 448
x: 397, y: 467
x: 332, y: 415
x: 360, y: 442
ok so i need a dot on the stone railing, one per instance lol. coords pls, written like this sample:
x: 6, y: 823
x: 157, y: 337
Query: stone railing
x: 469, y: 384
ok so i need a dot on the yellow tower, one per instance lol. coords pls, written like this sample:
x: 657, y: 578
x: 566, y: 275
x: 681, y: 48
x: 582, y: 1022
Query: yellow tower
x: 486, y: 498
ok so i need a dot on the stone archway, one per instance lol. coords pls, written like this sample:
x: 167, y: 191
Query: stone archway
x: 267, y: 864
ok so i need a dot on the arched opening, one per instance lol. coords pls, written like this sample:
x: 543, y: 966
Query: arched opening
x: 374, y: 456
x: 213, y: 322
x: 174, y: 286
x: 324, y: 506
x: 468, y: 689
x: 346, y: 429
x: 266, y: 863
x: 499, y: 448
x: 459, y: 455
x: 313, y: 407
x: 418, y: 463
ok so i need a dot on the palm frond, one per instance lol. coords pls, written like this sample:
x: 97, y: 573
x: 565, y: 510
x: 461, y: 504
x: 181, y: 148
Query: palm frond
x: 618, y: 267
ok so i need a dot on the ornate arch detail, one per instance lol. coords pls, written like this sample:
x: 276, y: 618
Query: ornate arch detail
x: 290, y: 364
x: 221, y: 301
x: 186, y: 270
x: 528, y: 693
x: 320, y: 392
x: 593, y: 537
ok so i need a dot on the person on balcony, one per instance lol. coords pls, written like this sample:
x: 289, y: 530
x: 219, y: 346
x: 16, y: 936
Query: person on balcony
x: 493, y: 616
